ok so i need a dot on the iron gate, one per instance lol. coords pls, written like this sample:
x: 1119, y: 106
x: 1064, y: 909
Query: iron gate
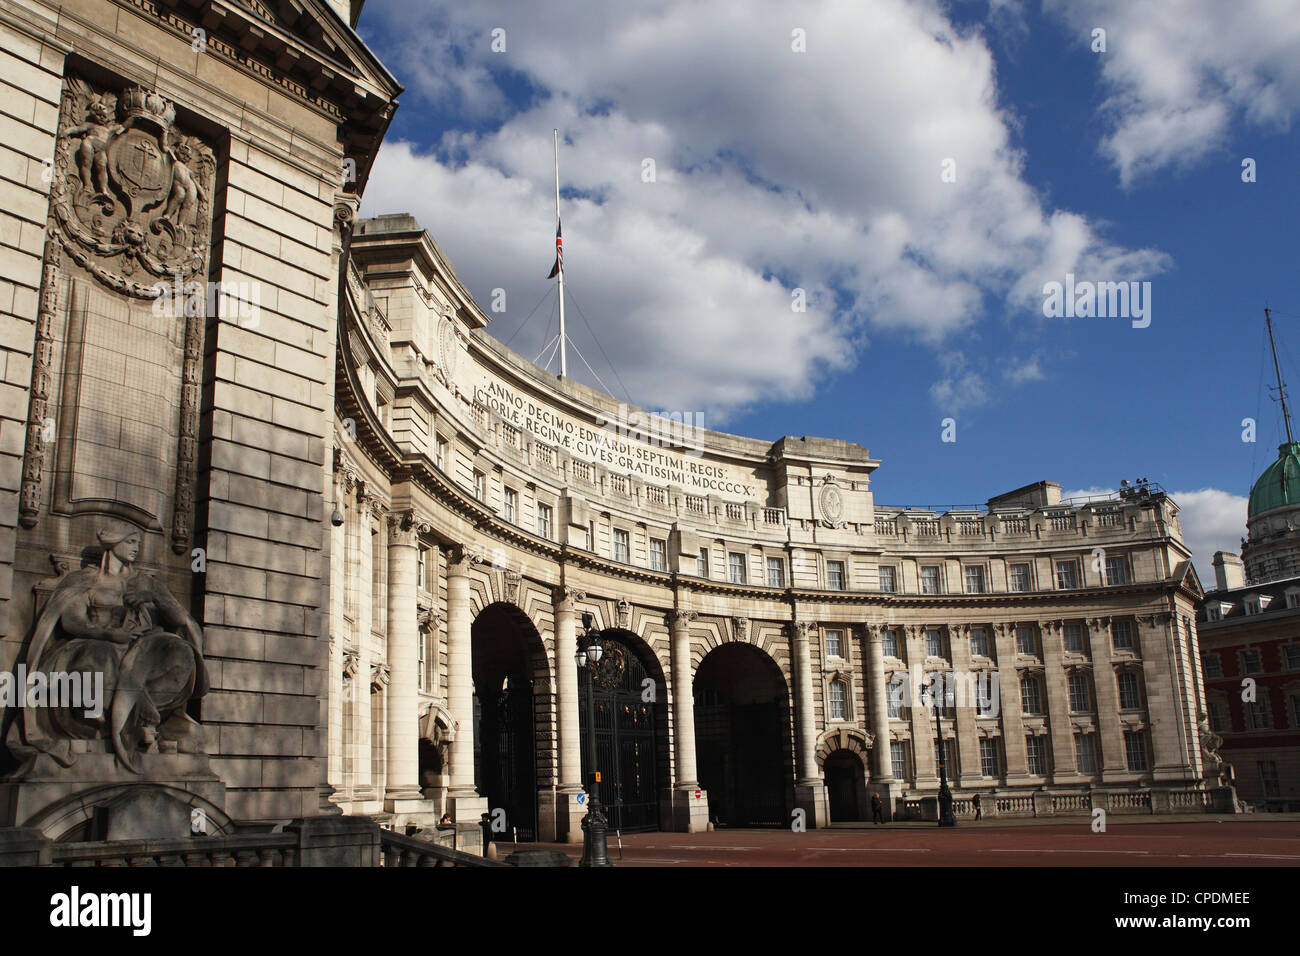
x: 625, y: 739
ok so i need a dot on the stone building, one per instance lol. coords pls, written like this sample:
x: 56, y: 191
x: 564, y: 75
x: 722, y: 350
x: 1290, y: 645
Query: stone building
x: 354, y: 537
x: 1250, y: 643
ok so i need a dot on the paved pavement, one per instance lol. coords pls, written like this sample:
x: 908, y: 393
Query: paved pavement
x: 1237, y: 842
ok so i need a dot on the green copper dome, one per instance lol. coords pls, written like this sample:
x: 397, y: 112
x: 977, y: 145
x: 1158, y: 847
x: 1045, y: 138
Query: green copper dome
x: 1280, y: 483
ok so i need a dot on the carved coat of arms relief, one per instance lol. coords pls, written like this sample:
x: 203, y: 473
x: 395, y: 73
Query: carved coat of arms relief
x: 131, y: 192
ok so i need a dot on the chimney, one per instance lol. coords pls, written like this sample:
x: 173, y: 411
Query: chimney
x: 1228, y: 573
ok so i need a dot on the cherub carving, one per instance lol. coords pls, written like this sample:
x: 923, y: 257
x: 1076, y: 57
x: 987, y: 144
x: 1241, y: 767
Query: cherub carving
x: 185, y: 191
x: 92, y: 154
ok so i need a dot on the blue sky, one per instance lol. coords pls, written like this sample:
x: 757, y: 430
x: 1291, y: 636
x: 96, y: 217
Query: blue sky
x: 821, y: 169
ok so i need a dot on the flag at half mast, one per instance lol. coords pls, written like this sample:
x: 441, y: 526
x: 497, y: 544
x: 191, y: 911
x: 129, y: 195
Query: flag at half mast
x: 559, y: 252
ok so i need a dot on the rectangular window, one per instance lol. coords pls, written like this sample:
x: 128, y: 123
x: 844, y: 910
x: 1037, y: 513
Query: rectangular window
x: 1268, y: 784
x: 622, y: 546
x: 929, y: 580
x: 658, y: 554
x: 510, y: 506
x: 1031, y: 701
x: 933, y: 644
x: 736, y: 567
x: 1117, y: 571
x: 702, y: 563
x: 1293, y: 599
x: 1123, y: 634
x: 1020, y: 577
x: 1213, y: 665
x: 1135, y: 749
x: 1257, y: 715
x: 989, y: 757
x: 422, y: 568
x: 979, y: 641
x: 1074, y: 638
x: 591, y: 536
x: 834, y: 643
x: 1129, y: 696
x: 1067, y: 574
x: 889, y: 643
x: 1080, y: 699
x: 1291, y: 656
x: 1025, y: 643
x: 1295, y: 710
x: 1251, y: 661
x: 898, y: 759
x: 440, y: 452
x: 946, y: 755
x: 1036, y: 755
x: 974, y: 576
x: 888, y: 583
x: 1085, y: 752
x: 835, y: 575
x: 776, y: 572
x: 895, y: 691
x: 1220, y: 719
x: 544, y: 520
x: 836, y: 689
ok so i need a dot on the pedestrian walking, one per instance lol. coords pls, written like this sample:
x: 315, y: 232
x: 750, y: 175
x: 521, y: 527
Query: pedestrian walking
x: 979, y: 807
x: 877, y: 809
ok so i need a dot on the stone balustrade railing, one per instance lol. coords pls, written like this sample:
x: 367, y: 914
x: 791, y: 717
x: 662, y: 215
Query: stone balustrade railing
x: 1044, y: 803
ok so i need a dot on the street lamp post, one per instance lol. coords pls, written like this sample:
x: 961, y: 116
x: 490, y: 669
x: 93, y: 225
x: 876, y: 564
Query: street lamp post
x: 594, y: 825
x: 947, y: 818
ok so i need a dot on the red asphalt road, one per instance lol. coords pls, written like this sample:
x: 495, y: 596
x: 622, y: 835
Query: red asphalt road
x: 1126, y: 845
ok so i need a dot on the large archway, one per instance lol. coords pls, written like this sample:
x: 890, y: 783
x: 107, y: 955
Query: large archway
x: 743, y: 742
x: 510, y: 707
x: 631, y: 731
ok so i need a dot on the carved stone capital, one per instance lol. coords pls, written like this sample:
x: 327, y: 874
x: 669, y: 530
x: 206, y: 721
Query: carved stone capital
x: 680, y: 617
x: 875, y: 633
x: 429, y: 618
x: 801, y: 629
x: 565, y: 597
x: 379, y: 677
x: 462, y: 557
x: 405, y: 528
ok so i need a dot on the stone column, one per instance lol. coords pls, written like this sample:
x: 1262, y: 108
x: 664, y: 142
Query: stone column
x: 1166, y: 695
x: 563, y: 807
x: 689, y: 801
x: 1056, y: 684
x: 467, y: 805
x: 925, y: 768
x: 402, y: 780
x: 338, y: 631
x: 808, y: 786
x: 1013, y: 726
x: 1110, y: 735
x: 365, y: 794
x: 882, y: 783
x: 968, y: 745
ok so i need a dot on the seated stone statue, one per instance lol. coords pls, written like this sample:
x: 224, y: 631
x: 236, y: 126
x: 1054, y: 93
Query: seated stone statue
x: 121, y: 622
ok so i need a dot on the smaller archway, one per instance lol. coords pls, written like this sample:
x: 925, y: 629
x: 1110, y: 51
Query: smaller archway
x: 845, y: 786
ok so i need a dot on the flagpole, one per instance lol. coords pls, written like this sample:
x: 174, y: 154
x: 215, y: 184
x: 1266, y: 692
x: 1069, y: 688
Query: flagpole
x: 564, y: 365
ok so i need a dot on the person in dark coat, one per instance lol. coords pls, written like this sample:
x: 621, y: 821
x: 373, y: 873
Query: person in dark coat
x: 877, y: 809
x: 979, y: 807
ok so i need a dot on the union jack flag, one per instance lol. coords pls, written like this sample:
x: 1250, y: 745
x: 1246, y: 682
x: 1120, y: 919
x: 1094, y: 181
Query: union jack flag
x: 559, y: 252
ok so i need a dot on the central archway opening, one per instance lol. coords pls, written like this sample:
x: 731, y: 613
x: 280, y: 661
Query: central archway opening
x: 743, y: 738
x: 631, y: 730
x: 509, y: 663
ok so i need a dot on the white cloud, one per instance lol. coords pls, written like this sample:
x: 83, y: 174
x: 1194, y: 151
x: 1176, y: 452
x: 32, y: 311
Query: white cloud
x: 1020, y: 372
x: 1212, y: 520
x: 1179, y: 74
x: 775, y: 170
x: 961, y: 387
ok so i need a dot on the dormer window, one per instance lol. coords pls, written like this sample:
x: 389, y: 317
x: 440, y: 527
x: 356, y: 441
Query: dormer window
x: 1293, y: 597
x: 1256, y: 603
x: 1217, y: 611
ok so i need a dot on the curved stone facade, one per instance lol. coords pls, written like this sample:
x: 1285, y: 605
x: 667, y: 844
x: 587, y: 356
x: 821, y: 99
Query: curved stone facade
x: 541, y: 494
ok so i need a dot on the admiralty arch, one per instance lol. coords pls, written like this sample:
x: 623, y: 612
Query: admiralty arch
x: 356, y: 539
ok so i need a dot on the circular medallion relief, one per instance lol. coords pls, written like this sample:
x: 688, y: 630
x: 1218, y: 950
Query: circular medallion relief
x: 832, y: 504
x: 448, y: 347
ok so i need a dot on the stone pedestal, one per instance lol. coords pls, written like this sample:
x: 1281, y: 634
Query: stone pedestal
x: 156, y: 803
x: 560, y: 816
x: 890, y: 793
x: 689, y: 809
